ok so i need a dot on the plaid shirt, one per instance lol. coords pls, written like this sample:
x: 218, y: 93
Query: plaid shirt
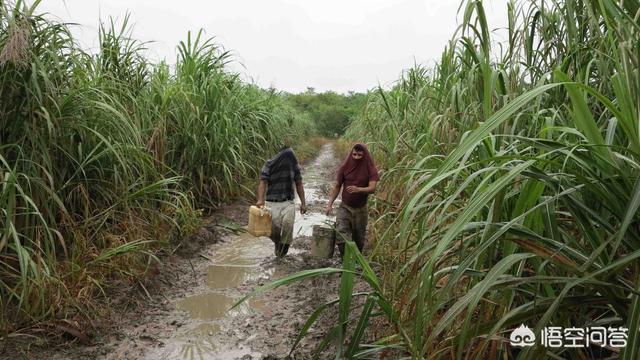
x: 280, y: 172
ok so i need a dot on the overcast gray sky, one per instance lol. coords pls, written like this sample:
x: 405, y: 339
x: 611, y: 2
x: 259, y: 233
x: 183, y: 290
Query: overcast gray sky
x: 338, y: 45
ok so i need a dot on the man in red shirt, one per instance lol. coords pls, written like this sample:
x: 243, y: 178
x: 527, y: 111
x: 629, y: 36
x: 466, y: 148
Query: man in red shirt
x: 357, y: 177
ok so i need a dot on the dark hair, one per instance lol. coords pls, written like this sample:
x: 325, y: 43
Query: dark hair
x: 358, y: 147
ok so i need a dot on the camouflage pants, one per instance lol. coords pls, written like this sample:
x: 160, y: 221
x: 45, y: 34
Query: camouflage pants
x: 351, y: 225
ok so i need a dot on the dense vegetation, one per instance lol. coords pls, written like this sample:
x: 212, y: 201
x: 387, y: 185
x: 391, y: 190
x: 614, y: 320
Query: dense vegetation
x: 104, y: 157
x: 511, y: 187
x: 331, y: 112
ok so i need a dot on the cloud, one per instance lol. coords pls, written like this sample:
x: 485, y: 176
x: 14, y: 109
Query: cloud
x: 330, y: 45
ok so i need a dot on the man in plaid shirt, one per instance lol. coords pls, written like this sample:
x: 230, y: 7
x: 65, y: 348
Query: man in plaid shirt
x: 277, y: 179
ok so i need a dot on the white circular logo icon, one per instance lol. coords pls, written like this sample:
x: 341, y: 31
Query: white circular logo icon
x: 522, y: 336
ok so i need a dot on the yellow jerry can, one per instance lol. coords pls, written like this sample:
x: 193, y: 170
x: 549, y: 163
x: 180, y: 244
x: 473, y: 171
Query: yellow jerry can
x: 259, y: 221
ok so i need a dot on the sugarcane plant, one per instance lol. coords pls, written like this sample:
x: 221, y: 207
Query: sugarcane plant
x: 510, y: 187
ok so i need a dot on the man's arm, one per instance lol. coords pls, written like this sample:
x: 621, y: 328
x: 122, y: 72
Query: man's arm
x: 332, y: 197
x: 300, y: 191
x: 262, y: 189
x: 367, y: 190
x: 297, y: 178
x: 265, y: 175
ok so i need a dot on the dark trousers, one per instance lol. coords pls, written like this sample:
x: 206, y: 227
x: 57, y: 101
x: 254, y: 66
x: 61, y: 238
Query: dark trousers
x: 351, y: 224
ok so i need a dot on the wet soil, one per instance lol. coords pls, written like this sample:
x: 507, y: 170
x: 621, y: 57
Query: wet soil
x: 186, y: 315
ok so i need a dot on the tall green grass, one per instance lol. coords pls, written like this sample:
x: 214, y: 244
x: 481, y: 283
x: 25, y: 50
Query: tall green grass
x: 104, y: 156
x: 510, y: 191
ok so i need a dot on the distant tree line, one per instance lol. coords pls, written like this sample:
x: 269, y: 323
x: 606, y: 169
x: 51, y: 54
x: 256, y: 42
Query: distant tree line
x: 330, y: 111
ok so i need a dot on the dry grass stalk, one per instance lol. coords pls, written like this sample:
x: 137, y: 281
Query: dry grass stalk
x: 17, y: 48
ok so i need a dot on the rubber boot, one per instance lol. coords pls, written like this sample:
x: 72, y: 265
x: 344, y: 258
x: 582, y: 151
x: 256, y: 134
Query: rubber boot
x: 281, y: 249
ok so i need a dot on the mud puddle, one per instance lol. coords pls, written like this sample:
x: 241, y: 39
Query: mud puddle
x: 233, y: 264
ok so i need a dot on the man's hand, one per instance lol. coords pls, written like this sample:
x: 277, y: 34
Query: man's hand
x: 303, y: 209
x: 352, y: 189
x: 260, y: 203
x: 328, y: 209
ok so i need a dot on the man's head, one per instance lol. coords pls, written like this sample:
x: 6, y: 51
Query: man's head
x: 357, y: 153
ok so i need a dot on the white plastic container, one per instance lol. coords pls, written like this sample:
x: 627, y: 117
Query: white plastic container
x: 323, y: 241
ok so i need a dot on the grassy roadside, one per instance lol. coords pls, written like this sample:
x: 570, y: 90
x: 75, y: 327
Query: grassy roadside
x: 510, y: 190
x: 106, y: 158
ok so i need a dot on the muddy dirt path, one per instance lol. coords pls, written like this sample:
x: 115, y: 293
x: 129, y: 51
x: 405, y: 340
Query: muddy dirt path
x: 264, y: 326
x: 185, y: 315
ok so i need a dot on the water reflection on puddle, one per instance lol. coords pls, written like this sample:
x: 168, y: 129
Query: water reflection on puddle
x: 244, y: 250
x: 229, y: 276
x: 214, y: 306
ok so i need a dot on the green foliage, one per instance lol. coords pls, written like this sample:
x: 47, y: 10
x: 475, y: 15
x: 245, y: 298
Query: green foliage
x: 510, y: 186
x: 330, y: 112
x: 104, y: 157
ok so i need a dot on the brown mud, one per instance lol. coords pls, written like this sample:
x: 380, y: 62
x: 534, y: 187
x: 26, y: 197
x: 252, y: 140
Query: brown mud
x: 186, y: 314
